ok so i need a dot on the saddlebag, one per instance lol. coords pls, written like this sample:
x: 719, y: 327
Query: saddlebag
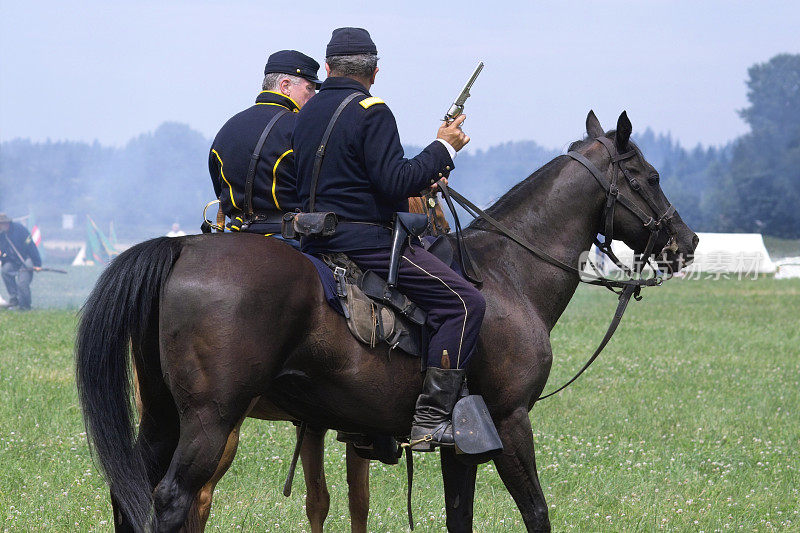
x: 377, y: 313
x: 369, y: 321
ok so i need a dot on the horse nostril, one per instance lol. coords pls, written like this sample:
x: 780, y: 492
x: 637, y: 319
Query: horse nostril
x: 695, y: 241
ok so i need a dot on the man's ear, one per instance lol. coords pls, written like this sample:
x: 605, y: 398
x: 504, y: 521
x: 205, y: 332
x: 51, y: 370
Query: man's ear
x: 286, y: 86
x: 327, y: 70
x: 624, y: 129
x: 593, y: 127
x: 372, y: 80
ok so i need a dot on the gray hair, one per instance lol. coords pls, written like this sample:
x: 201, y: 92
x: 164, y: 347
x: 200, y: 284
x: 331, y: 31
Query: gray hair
x: 357, y: 66
x: 273, y: 80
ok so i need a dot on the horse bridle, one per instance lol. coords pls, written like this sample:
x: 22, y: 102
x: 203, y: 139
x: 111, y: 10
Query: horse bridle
x: 653, y: 223
x: 624, y: 288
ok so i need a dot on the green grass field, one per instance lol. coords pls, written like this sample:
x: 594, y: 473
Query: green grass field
x: 688, y: 422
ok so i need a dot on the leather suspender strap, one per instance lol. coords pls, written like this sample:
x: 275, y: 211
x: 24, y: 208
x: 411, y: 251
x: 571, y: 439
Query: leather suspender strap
x: 321, y: 150
x: 251, y: 170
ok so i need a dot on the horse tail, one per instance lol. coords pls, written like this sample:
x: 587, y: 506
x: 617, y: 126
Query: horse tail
x: 121, y: 306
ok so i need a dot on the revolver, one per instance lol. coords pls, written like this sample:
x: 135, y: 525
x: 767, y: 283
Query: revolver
x: 458, y: 106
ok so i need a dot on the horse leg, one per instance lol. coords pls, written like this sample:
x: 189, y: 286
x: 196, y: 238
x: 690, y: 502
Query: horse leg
x: 357, y: 489
x: 459, y: 490
x: 517, y: 468
x: 204, y: 437
x: 318, y: 500
x: 201, y: 509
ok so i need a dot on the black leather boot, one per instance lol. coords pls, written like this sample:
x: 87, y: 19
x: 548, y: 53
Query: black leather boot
x: 432, y: 424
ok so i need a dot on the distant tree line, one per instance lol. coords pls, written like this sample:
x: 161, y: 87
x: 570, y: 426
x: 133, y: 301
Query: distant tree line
x: 751, y: 184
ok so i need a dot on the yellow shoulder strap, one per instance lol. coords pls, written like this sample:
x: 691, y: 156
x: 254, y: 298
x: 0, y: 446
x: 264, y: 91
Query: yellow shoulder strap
x: 372, y: 100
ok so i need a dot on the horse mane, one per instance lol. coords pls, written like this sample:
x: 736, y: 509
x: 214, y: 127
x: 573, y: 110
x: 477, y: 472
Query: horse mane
x: 586, y: 141
x: 518, y: 192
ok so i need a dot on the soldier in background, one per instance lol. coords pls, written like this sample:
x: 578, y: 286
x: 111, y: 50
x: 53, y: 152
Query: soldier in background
x: 176, y: 231
x: 20, y: 258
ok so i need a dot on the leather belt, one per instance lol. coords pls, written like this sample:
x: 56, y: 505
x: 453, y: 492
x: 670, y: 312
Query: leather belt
x: 385, y: 225
x: 269, y: 217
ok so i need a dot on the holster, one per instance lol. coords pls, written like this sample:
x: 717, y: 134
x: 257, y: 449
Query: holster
x: 297, y: 225
x: 405, y: 225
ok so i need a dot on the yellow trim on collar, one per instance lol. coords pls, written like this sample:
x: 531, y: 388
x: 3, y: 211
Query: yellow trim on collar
x: 230, y: 187
x: 275, y: 175
x: 371, y: 101
x: 297, y: 107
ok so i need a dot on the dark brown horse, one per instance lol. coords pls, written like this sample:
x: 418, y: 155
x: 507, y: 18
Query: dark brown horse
x: 229, y: 326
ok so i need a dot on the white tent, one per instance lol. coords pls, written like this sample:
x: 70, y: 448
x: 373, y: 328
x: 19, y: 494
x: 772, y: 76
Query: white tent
x: 80, y: 257
x: 739, y: 253
x: 788, y: 268
x: 743, y: 254
x: 602, y: 265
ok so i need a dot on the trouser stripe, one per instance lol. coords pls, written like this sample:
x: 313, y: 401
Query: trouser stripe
x: 464, y: 325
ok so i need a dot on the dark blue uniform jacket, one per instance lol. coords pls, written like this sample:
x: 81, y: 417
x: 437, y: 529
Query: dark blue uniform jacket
x: 19, y: 236
x: 364, y: 176
x: 274, y: 189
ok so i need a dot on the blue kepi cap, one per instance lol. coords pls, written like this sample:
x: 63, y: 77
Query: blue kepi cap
x: 294, y: 63
x: 350, y: 42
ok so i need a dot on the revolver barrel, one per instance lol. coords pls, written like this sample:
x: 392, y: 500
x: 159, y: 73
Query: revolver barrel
x: 458, y: 106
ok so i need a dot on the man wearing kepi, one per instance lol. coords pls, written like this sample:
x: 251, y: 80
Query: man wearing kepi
x: 365, y: 179
x: 251, y: 161
x: 20, y: 258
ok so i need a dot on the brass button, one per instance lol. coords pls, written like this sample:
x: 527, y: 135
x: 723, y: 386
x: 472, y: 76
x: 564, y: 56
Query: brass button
x: 431, y: 202
x: 440, y: 174
x: 298, y: 71
x: 447, y: 167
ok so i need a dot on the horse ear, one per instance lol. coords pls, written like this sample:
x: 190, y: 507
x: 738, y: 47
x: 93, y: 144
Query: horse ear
x: 624, y: 129
x: 593, y: 127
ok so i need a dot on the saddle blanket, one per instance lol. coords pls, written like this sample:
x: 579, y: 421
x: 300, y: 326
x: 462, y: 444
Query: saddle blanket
x: 328, y: 282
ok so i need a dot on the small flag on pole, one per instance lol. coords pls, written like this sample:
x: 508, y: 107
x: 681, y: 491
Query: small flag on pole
x: 33, y: 227
x: 36, y: 233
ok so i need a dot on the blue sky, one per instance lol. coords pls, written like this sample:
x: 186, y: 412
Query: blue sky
x: 111, y: 70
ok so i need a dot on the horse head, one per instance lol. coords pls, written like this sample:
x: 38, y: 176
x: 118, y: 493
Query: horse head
x: 637, y: 212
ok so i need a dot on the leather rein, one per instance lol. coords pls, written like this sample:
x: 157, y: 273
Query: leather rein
x: 624, y: 288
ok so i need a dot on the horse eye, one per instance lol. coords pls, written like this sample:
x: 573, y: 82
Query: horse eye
x: 653, y: 180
